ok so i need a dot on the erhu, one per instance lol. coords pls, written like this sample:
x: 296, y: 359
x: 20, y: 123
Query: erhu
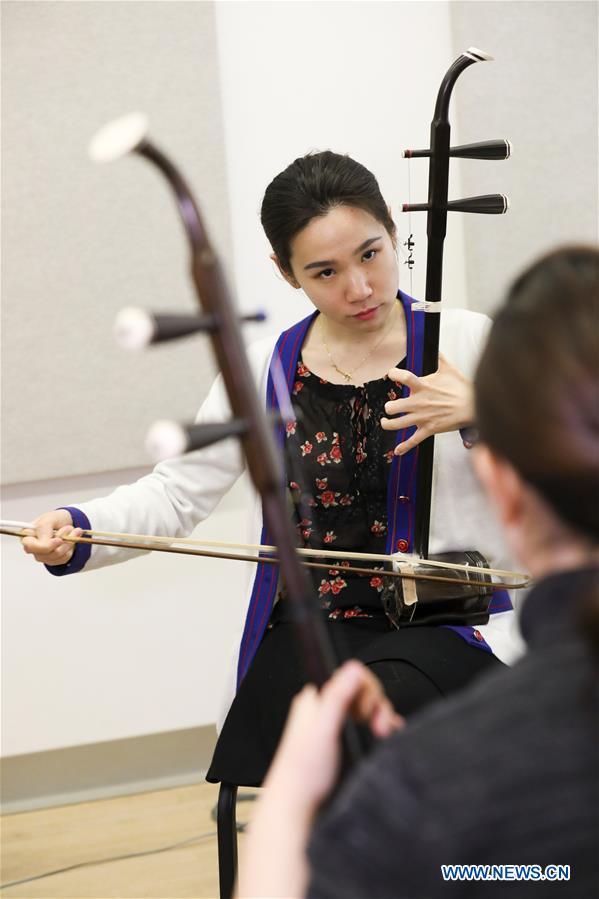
x: 249, y: 422
x: 407, y: 602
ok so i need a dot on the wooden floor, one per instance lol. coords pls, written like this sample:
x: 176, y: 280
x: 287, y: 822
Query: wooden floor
x: 49, y: 839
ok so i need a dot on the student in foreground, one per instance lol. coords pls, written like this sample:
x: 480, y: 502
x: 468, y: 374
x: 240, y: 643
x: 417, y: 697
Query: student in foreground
x: 506, y: 772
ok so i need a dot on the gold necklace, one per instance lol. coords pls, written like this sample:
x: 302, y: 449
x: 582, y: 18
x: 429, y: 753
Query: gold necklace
x: 347, y: 375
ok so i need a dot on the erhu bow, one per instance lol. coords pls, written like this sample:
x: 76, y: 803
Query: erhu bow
x: 193, y: 547
x: 437, y: 208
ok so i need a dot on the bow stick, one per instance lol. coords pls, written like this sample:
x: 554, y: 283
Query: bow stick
x: 191, y: 546
x: 249, y: 422
x: 436, y: 208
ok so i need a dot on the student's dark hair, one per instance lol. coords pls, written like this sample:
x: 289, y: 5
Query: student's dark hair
x: 310, y: 187
x: 537, y: 388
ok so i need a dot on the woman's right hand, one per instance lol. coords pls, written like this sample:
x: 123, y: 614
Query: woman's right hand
x: 48, y: 545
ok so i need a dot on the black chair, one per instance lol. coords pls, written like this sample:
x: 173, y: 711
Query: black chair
x: 226, y: 826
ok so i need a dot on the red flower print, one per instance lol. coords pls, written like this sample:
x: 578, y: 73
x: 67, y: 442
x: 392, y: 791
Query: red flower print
x: 329, y: 537
x: 302, y: 371
x: 325, y: 587
x: 323, y: 381
x: 306, y: 533
x: 335, y: 454
x: 389, y: 456
x: 360, y: 454
x: 290, y: 427
x: 327, y: 498
x: 297, y: 387
x: 345, y: 564
x: 321, y: 436
x: 356, y: 612
x: 378, y: 528
x: 337, y: 585
x: 305, y: 522
x: 322, y: 483
x: 377, y: 582
x: 346, y: 500
x: 306, y: 448
x: 392, y: 394
x: 322, y: 459
x: 293, y: 485
x: 335, y: 438
x: 333, y: 572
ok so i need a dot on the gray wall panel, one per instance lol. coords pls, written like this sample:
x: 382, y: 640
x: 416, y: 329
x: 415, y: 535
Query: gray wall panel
x: 546, y: 71
x: 80, y: 241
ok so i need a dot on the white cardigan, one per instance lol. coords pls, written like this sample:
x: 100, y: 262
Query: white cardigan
x: 180, y: 493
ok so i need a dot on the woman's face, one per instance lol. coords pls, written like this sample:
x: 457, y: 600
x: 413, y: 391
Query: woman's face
x: 346, y: 264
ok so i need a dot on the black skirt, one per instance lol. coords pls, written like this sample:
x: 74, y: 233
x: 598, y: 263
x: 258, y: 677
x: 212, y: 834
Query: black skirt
x: 416, y: 665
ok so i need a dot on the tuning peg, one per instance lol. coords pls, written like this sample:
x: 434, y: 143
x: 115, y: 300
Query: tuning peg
x: 167, y: 439
x: 488, y: 204
x: 136, y: 328
x: 486, y: 149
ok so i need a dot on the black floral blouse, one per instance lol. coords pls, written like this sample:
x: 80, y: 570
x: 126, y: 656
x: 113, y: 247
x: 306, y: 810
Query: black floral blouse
x: 338, y: 461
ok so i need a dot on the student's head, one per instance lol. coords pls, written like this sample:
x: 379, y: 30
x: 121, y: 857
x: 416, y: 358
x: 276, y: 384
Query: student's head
x: 331, y: 232
x: 537, y: 400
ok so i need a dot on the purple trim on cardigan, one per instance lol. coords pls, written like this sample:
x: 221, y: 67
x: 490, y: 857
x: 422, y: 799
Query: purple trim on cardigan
x: 82, y: 550
x: 501, y: 602
x: 265, y: 583
x: 469, y: 634
x: 401, y: 493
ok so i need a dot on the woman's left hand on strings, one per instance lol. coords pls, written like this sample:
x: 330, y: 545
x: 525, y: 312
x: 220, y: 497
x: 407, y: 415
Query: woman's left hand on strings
x: 437, y: 403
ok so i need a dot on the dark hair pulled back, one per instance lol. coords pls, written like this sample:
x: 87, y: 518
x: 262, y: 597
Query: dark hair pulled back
x: 537, y: 392
x: 310, y: 187
x: 537, y: 385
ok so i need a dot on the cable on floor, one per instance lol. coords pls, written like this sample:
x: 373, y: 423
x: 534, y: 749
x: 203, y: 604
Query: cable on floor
x: 114, y: 858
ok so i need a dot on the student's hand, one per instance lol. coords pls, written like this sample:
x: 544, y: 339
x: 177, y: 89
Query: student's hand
x: 303, y: 772
x: 443, y: 401
x: 47, y: 545
x: 309, y: 755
